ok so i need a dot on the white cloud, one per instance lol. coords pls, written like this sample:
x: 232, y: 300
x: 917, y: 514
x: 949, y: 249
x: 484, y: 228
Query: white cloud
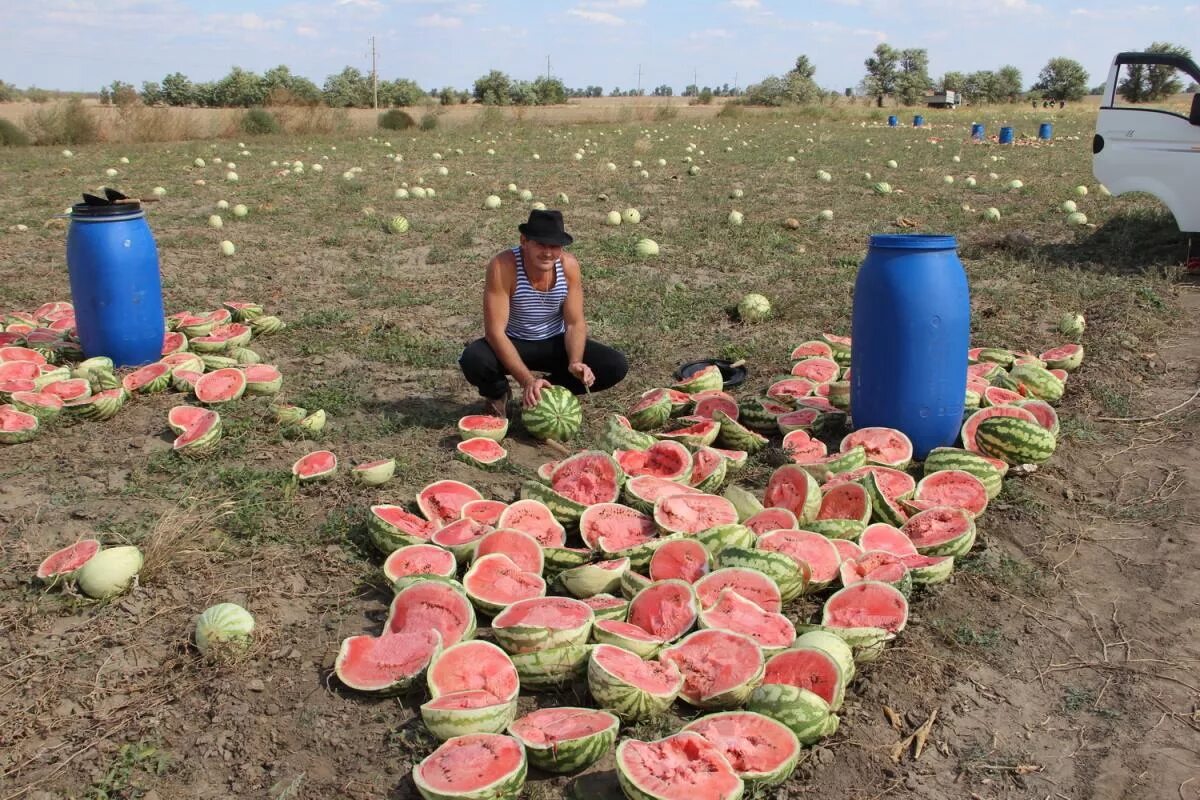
x: 599, y: 17
x: 306, y: 31
x: 373, y: 5
x: 746, y: 5
x: 438, y: 21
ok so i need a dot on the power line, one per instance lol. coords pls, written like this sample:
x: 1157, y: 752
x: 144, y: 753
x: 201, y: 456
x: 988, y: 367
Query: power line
x: 374, y: 77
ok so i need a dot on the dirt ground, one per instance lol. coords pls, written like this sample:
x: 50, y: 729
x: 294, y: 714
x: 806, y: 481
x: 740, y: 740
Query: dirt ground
x: 1061, y: 661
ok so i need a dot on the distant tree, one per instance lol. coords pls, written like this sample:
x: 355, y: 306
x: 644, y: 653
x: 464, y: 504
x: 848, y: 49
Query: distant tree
x: 882, y: 72
x: 1007, y: 86
x: 952, y: 82
x: 849, y: 91
x: 913, y: 79
x: 448, y: 96
x: 105, y: 96
x: 804, y: 68
x: 616, y: 92
x: 691, y: 90
x: 284, y: 88
x: 1133, y: 86
x: 522, y: 93
x: 1097, y: 90
x: 205, y: 94
x: 1147, y: 83
x: 151, y: 93
x: 1062, y: 79
x: 493, y: 89
x: 8, y: 92
x: 177, y: 90
x: 347, y: 89
x: 549, y: 91
x: 241, y: 89
x: 663, y: 91
x: 979, y: 86
x: 122, y: 94
x: 595, y: 91
x: 400, y: 92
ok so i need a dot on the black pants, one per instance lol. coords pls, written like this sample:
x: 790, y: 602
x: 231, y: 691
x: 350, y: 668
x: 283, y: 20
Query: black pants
x: 485, y: 372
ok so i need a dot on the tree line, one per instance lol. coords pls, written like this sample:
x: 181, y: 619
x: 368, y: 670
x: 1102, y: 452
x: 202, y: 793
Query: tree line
x: 898, y: 73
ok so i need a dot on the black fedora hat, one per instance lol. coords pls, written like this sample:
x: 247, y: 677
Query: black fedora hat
x: 545, y: 227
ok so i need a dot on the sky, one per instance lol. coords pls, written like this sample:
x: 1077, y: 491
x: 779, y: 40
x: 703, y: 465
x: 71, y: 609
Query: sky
x: 86, y: 44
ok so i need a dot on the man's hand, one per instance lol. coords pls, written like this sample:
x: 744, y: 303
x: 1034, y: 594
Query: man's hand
x: 531, y: 393
x: 583, y: 372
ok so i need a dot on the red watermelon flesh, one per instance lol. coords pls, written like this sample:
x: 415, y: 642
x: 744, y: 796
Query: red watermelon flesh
x: 68, y: 559
x: 656, y: 677
x: 805, y: 668
x: 482, y: 449
x: 66, y: 390
x: 474, y: 665
x: 467, y: 764
x: 486, y: 511
x: 999, y: 396
x: 603, y: 602
x: 318, y: 462
x: 557, y: 613
x: 613, y: 527
x: 984, y: 370
x: 174, y: 360
x: 180, y: 418
x: 19, y: 371
x: 471, y: 698
x: 889, y: 538
x: 732, y: 612
x: 650, y: 488
x: 972, y: 424
x: 418, y: 559
x: 626, y: 630
x: 262, y: 373
x: 750, y: 584
x: 794, y: 387
x: 496, y: 580
x: 532, y: 517
x: 1046, y: 416
x: 665, y: 459
x: 713, y: 662
x: 937, y: 526
x: 9, y: 387
x: 588, y: 479
x: 42, y: 400
x: 751, y: 743
x: 845, y: 501
x: 549, y: 726
x: 873, y: 565
x: 431, y: 606
x: 9, y: 338
x: 173, y: 342
x: 868, y: 604
x: 406, y: 521
x: 953, y: 488
x: 685, y: 766
x: 479, y: 423
x: 685, y: 559
x: 460, y: 531
x: 441, y: 502
x: 802, y: 448
x: 14, y: 353
x: 707, y: 403
x: 220, y: 386
x: 772, y: 519
x: 693, y: 513
x: 705, y: 461
x: 894, y: 483
x: 886, y: 446
x: 818, y: 403
x: 813, y: 549
x: 846, y: 548
x: 788, y: 488
x: 811, y: 349
x: 816, y: 369
x: 1061, y: 374
x: 375, y: 663
x: 698, y: 430
x: 800, y: 419
x: 522, y: 548
x: 666, y: 610
x: 17, y: 327
x: 205, y: 422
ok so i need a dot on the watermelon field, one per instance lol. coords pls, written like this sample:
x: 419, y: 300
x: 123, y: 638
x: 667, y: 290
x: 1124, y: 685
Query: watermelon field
x: 1023, y: 625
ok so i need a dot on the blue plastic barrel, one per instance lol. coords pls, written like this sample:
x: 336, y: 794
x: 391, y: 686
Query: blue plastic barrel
x: 977, y: 131
x: 1046, y: 131
x: 1006, y: 135
x: 912, y: 320
x: 893, y: 121
x: 918, y: 121
x: 115, y: 285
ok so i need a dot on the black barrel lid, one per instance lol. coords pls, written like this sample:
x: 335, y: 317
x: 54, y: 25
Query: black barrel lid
x: 113, y: 204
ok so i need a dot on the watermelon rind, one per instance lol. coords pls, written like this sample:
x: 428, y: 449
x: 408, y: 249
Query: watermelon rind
x: 806, y: 713
x: 736, y: 436
x: 387, y: 536
x: 392, y: 683
x: 650, y: 413
x: 786, y: 760
x: 304, y: 471
x: 628, y: 701
x: 394, y: 565
x: 633, y: 582
x: 707, y: 649
x: 746, y: 504
x: 837, y: 528
x: 617, y: 436
x: 717, y: 539
x: 449, y: 612
x: 564, y: 509
x: 959, y: 545
x: 942, y: 458
x: 562, y: 755
x: 552, y: 668
x: 705, y: 380
x: 374, y: 473
x: 781, y: 492
x: 711, y: 766
x: 789, y: 575
x: 110, y: 572
x: 1037, y: 382
x: 518, y: 637
x: 482, y: 426
x: 225, y: 626
x: 17, y: 427
x: 833, y: 646
x: 446, y: 723
x: 557, y: 415
x: 588, y: 580
x: 557, y: 559
x: 504, y: 787
x: 732, y: 612
x: 627, y: 636
x: 486, y: 604
x: 1015, y: 441
x: 468, y: 452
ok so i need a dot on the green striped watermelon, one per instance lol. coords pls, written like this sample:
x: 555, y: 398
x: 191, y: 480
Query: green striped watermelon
x: 629, y: 686
x: 1015, y: 441
x: 565, y: 739
x: 557, y: 415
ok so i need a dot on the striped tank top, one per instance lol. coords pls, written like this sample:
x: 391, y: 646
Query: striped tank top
x: 534, y: 315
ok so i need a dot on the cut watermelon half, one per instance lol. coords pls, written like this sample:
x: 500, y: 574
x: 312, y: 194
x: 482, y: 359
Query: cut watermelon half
x: 889, y: 538
x: 720, y: 668
x: 486, y: 511
x: 802, y: 448
x: 790, y: 389
x: 665, y: 610
x: 817, y: 369
x: 664, y: 459
x: 793, y: 488
x: 205, y: 430
x: 868, y: 604
x: 807, y: 668
x: 813, y: 549
x: 685, y: 766
x: 682, y: 559
x: 460, y: 537
x: 749, y: 583
x: 972, y: 424
x: 732, y: 612
x: 693, y: 513
x: 386, y: 664
x: 63, y: 564
x: 588, y: 478
x: 522, y: 548
x: 17, y: 353
x: 534, y: 518
x: 951, y: 487
x: 180, y: 418
x: 19, y: 371
x: 494, y: 582
x: 477, y: 765
x: 543, y: 623
x: 802, y: 419
x: 706, y: 404
x: 432, y: 606
x: 482, y: 452
x: 941, y: 531
x: 758, y: 748
x: 565, y: 739
x: 845, y: 501
x: 68, y: 390
x: 483, y: 425
x: 772, y: 519
x: 876, y: 565
x: 612, y: 527
x: 221, y: 386
x: 441, y: 502
x: 419, y: 559
x: 887, y: 447
x: 315, y: 466
x: 643, y: 491
x: 474, y: 665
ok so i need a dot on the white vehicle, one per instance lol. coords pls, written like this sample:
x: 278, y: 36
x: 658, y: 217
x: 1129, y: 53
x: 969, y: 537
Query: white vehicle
x: 1152, y: 150
x: 947, y: 99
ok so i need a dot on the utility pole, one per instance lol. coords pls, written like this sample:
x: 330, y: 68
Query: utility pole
x: 639, y: 79
x: 374, y: 77
x: 547, y: 67
x: 735, y: 76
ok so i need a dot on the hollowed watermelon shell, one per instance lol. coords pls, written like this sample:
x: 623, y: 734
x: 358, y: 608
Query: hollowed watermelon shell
x: 682, y: 559
x: 536, y: 519
x: 494, y: 582
x: 881, y: 536
x: 817, y: 369
x: 441, y: 502
x: 474, y: 665
x: 749, y: 583
x: 707, y: 403
x: 565, y: 739
x: 954, y: 488
x: 180, y: 418
x: 720, y: 668
x: 759, y: 749
x: 732, y: 612
x: 522, y: 548
x: 642, y: 492
x: 819, y: 553
x: 666, y: 610
x: 542, y: 623
x: 709, y: 468
x: 486, y: 511
x: 68, y: 390
x: 588, y: 580
x: 772, y: 519
x: 221, y: 386
x: 972, y: 424
x: 868, y: 604
x: 666, y: 459
x: 588, y: 478
x: 627, y: 685
x: 419, y: 559
x: 482, y: 452
x: 432, y: 605
x: 845, y: 501
x: 887, y: 447
x: 374, y: 473
x: 467, y: 713
x: 808, y: 668
x: 315, y: 466
x: 387, y: 664
x: 391, y: 527
x: 685, y: 766
x: 477, y: 766
x: 461, y: 537
x: 482, y: 425
x: 63, y: 564
x: 802, y: 448
x: 793, y: 488
x: 693, y: 513
x: 941, y: 531
x: 1067, y: 357
x: 612, y: 527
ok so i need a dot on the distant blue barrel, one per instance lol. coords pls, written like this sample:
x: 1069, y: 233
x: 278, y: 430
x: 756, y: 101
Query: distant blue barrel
x: 1006, y: 135
x: 893, y: 121
x: 1046, y: 131
x: 115, y: 285
x: 918, y: 121
x: 912, y: 319
x: 977, y: 131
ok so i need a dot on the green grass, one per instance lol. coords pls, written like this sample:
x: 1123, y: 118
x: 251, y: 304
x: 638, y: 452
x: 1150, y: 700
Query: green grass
x: 131, y: 764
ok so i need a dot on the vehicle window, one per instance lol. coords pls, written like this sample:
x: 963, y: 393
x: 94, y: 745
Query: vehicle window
x: 1154, y: 87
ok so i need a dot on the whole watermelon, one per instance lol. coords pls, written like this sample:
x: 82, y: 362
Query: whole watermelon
x: 558, y: 415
